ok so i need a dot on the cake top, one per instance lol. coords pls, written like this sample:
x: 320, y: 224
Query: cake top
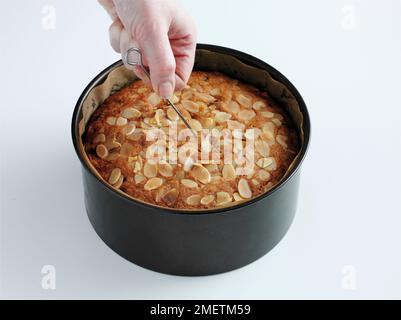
x: 244, y: 145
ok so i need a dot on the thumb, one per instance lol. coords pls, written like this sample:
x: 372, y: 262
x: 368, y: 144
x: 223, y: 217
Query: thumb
x: 159, y: 56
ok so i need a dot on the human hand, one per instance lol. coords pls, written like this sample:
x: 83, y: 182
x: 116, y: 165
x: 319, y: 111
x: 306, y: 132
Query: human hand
x: 165, y: 33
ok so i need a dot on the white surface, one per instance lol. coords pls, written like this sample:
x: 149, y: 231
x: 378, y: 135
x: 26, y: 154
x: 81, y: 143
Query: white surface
x: 349, y: 73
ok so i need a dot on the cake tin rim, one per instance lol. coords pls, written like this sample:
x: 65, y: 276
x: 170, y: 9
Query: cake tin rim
x: 239, y: 55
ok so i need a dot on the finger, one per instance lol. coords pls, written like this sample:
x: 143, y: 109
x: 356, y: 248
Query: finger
x: 157, y: 50
x: 184, y: 53
x: 183, y: 43
x: 108, y: 5
x: 125, y: 43
x: 115, y: 35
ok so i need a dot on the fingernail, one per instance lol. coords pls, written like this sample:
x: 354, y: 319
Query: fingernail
x: 166, y: 90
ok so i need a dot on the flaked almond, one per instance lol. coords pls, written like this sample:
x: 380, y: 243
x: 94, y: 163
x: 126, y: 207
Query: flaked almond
x: 272, y: 166
x: 246, y: 115
x: 129, y: 129
x: 193, y: 200
x: 250, y: 172
x: 159, y: 194
x: 203, y: 107
x: 233, y: 107
x: 264, y: 175
x: 141, y: 156
x: 212, y: 168
x: 189, y: 183
x: 186, y: 95
x: 132, y: 159
x: 111, y: 121
x: 139, y: 178
x: 126, y: 149
x: 222, y: 117
x: 262, y: 147
x: 267, y: 136
x: 223, y: 198
x: 166, y: 130
x: 102, y: 151
x: 215, y: 92
x: 264, y: 162
x: 235, y: 125
x: 165, y: 123
x: 137, y: 166
x: 255, y: 182
x: 195, y: 124
x: 170, y: 197
x: 154, y: 99
x: 267, y: 114
x: 99, y: 138
x: 172, y: 115
x: 146, y: 126
x: 180, y: 175
x: 153, y: 184
x: 150, y: 170
x: 136, y: 135
x: 166, y: 170
x: 114, y: 175
x: 190, y: 106
x: 215, y: 179
x: 175, y: 99
x: 277, y: 122
x: 268, y: 127
x: 237, y: 197
x: 119, y: 182
x: 207, y: 98
x: 244, y: 189
x: 131, y: 113
x: 200, y: 173
x: 244, y: 100
x: 282, y: 140
x: 113, y: 156
x: 269, y: 186
x: 207, y: 123
x: 159, y: 115
x: 206, y: 200
x: 259, y: 105
x: 268, y: 132
x: 150, y: 121
x: 156, y: 135
x: 112, y: 144
x: 228, y: 172
x: 196, y: 87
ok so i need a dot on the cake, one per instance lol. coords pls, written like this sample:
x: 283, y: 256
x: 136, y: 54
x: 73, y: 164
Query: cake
x: 125, y: 134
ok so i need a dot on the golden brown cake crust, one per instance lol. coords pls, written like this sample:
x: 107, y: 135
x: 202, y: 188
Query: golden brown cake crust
x: 116, y: 145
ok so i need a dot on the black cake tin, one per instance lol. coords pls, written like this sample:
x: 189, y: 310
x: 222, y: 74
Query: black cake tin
x: 192, y: 243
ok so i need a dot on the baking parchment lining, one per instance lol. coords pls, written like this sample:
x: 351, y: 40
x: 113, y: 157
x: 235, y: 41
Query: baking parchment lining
x: 208, y: 61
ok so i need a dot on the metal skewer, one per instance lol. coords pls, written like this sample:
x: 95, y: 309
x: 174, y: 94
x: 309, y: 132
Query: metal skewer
x: 139, y: 63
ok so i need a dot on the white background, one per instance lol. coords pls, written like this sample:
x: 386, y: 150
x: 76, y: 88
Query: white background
x: 343, y: 56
